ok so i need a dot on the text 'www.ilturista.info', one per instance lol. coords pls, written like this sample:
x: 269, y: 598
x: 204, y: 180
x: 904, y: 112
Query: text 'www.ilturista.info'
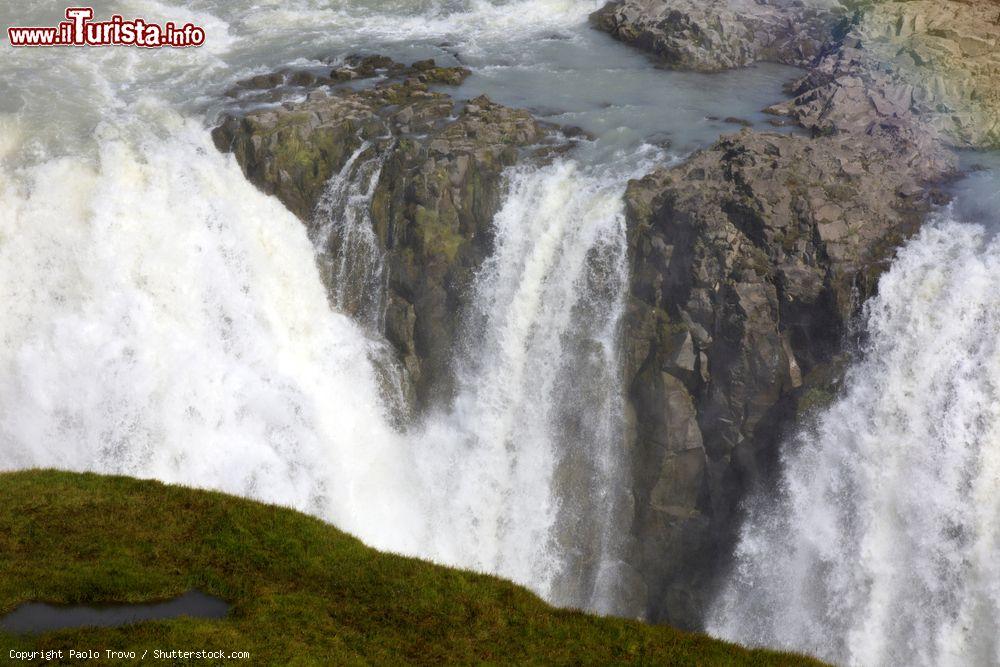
x: 80, y: 30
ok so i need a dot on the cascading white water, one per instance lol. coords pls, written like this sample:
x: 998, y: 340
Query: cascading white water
x: 539, y: 391
x: 883, y: 547
x: 163, y: 318
x: 199, y: 348
x: 348, y: 251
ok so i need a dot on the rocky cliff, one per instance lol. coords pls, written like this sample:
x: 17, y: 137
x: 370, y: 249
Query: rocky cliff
x: 748, y: 263
x: 750, y: 260
x: 437, y: 181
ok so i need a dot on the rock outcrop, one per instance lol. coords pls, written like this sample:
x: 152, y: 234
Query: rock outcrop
x: 750, y: 260
x: 437, y: 171
x: 713, y: 35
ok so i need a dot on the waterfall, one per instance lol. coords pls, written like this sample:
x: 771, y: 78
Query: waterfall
x: 534, y: 428
x: 521, y: 471
x: 882, y: 547
x: 348, y: 251
x: 164, y: 319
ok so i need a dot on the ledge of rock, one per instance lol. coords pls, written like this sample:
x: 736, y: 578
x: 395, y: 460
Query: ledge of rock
x: 713, y: 35
x: 438, y: 183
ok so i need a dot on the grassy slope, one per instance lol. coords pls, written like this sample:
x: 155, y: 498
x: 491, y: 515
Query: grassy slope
x: 303, y: 592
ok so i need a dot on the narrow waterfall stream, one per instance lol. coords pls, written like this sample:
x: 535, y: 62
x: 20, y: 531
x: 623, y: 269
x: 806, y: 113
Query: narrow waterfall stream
x: 355, y: 263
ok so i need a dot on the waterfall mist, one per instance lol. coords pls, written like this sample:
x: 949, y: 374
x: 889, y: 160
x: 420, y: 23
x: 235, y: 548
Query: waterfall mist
x: 881, y: 547
x: 165, y: 319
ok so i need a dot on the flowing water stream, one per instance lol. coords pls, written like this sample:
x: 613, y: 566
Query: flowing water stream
x: 162, y: 318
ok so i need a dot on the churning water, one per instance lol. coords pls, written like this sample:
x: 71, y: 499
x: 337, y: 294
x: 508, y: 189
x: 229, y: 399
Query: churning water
x: 162, y: 318
x: 883, y: 546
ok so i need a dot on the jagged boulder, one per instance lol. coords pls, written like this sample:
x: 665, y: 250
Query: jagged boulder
x: 713, y: 35
x: 435, y: 191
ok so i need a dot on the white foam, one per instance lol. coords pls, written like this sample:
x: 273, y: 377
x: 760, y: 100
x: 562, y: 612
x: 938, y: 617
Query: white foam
x: 164, y: 319
x: 882, y: 549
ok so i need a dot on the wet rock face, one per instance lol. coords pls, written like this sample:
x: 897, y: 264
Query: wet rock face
x: 748, y: 261
x: 432, y: 205
x: 714, y: 35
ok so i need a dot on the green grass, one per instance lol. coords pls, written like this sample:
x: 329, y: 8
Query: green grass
x: 302, y: 592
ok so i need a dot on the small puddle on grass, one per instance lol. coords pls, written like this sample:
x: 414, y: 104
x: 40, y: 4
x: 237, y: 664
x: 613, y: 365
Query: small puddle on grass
x: 42, y: 617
